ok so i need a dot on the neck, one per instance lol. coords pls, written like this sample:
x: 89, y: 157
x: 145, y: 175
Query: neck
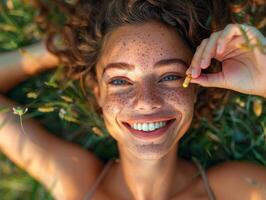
x: 149, y: 179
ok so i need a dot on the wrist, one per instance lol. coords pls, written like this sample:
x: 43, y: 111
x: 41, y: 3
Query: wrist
x: 31, y: 58
x: 49, y: 60
x: 36, y: 58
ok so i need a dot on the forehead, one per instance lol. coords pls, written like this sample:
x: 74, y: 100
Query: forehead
x: 143, y: 45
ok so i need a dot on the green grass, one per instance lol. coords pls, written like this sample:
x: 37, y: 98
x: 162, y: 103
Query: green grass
x: 234, y: 132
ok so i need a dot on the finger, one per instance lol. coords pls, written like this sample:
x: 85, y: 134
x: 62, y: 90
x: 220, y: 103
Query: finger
x: 194, y: 68
x: 210, y: 80
x: 209, y: 50
x: 229, y: 31
x: 247, y: 32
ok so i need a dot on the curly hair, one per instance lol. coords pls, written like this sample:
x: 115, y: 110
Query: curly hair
x: 88, y: 23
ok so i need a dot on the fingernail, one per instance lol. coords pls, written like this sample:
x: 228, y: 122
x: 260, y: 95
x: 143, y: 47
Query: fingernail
x: 203, y: 63
x: 219, y: 49
x: 193, y: 73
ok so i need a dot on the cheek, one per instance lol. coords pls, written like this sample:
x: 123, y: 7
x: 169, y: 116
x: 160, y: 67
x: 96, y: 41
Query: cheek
x: 114, y: 103
x: 179, y: 97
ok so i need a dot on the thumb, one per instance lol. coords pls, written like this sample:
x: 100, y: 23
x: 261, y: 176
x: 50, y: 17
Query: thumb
x: 210, y: 80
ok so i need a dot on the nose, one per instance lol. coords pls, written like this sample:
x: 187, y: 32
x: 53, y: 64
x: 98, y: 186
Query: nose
x: 147, y: 99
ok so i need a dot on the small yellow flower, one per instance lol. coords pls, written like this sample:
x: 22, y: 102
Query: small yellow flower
x: 71, y: 119
x: 257, y: 107
x: 240, y: 102
x: 65, y: 116
x: 32, y: 95
x: 67, y: 99
x: 46, y: 109
x: 97, y: 131
x: 213, y: 137
x: 51, y: 84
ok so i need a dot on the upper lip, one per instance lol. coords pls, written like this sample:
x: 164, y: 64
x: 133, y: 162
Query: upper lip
x: 148, y: 119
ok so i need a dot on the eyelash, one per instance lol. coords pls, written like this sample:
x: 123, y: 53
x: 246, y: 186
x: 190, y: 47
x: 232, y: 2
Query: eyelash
x: 111, y: 82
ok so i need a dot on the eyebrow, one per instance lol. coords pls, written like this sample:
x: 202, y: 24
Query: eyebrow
x: 161, y: 63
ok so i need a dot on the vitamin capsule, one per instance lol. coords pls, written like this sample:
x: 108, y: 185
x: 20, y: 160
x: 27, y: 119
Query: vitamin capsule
x: 187, y: 80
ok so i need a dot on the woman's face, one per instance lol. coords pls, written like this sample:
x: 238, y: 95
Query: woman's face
x: 140, y: 76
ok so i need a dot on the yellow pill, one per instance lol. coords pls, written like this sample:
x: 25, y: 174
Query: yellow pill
x: 187, y: 80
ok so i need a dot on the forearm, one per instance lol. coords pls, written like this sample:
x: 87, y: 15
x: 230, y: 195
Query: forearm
x: 44, y: 156
x: 31, y: 150
x: 15, y: 67
x: 13, y: 142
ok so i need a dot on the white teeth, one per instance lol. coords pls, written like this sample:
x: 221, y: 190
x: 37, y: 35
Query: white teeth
x: 151, y: 126
x: 145, y: 127
x: 148, y: 126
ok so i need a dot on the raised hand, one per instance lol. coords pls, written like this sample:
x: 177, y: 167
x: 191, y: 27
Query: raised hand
x: 241, y: 49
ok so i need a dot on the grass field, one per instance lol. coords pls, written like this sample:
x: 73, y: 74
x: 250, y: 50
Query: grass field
x: 236, y: 130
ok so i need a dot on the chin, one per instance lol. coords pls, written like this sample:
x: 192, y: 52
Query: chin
x: 149, y: 151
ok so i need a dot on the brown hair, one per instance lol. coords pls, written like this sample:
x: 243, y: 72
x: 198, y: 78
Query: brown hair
x: 88, y: 23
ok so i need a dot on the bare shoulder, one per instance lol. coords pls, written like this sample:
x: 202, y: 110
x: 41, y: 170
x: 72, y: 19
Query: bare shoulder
x: 75, y: 171
x: 238, y: 180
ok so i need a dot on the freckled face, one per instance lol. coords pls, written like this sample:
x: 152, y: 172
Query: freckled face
x: 145, y: 84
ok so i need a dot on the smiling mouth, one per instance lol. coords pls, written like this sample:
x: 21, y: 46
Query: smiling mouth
x: 167, y: 121
x: 147, y: 134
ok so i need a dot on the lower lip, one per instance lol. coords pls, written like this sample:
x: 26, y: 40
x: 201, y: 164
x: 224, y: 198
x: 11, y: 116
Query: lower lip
x: 151, y: 134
